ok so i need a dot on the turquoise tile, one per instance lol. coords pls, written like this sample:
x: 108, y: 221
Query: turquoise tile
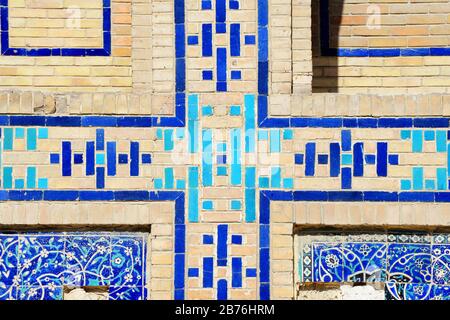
x: 193, y: 107
x: 100, y: 158
x: 168, y: 178
x: 207, y: 111
x: 42, y: 183
x: 236, y: 170
x: 208, y: 205
x: 236, y: 205
x: 405, y: 185
x: 441, y: 174
x: 7, y: 177
x: 263, y: 182
x: 222, y: 171
x: 417, y: 141
x: 429, y: 135
x: 288, y: 183
x: 405, y: 134
x: 19, y: 184
x: 250, y: 123
x: 31, y: 177
x: 275, y: 143
x: 275, y: 179
x: 181, y: 184
x: 250, y: 205
x: 43, y: 133
x: 235, y: 110
x: 20, y: 133
x: 159, y: 133
x: 193, y: 205
x: 158, y: 182
x: 430, y: 184
x: 347, y: 159
x: 168, y: 140
x: 417, y: 174
x: 441, y: 141
x: 180, y: 133
x: 288, y: 134
x: 263, y: 135
x: 222, y: 147
x: 31, y: 139
x: 8, y: 141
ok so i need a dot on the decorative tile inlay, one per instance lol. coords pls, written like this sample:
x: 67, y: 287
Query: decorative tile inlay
x: 37, y: 266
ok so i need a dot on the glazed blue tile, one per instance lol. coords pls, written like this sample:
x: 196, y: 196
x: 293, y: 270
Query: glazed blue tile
x: 346, y: 178
x: 42, y: 183
x: 405, y: 134
x: 43, y: 133
x: 235, y: 39
x: 310, y: 159
x: 405, y: 184
x: 42, y: 260
x: 208, y: 272
x: 127, y: 293
x: 40, y: 293
x: 207, y: 74
x: 222, y: 289
x: 236, y: 239
x: 408, y: 262
x: 393, y: 159
x: 335, y: 159
x: 8, y: 293
x: 9, y: 245
x: 429, y: 135
x: 369, y: 158
x: 417, y: 178
x: 207, y: 40
x: 346, y: 140
x: 66, y: 159
x: 408, y: 291
x: 7, y: 177
x: 19, y: 133
x: 250, y: 272
x: 88, y: 260
x: 417, y: 140
x: 441, y: 141
x: 250, y: 39
x: 222, y: 238
x: 441, y: 263
x: 346, y: 159
x: 54, y: 158
x: 322, y: 159
x: 236, y: 75
x: 364, y: 262
x: 382, y: 159
x: 208, y: 239
x: 236, y: 272
x: 234, y: 5
x: 288, y: 183
x: 222, y: 171
x: 193, y: 272
x: 192, y: 40
x: 19, y: 184
x: 123, y: 158
x: 263, y: 182
x: 206, y: 5
x: 127, y: 260
x: 328, y: 263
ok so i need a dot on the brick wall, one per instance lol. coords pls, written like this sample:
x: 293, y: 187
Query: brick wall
x: 408, y: 26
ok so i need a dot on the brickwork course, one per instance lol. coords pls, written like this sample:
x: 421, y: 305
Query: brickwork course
x: 225, y: 149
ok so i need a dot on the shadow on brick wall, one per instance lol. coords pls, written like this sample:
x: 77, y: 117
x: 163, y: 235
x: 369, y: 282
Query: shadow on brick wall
x: 326, y: 21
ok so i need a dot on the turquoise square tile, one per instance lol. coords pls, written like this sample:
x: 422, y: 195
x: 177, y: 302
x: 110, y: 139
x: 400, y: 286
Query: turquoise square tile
x: 405, y: 184
x: 19, y: 184
x: 207, y: 111
x: 207, y: 205
x: 42, y: 183
x: 100, y: 158
x: 236, y: 205
x: 222, y: 171
x: 347, y: 159
x: 405, y: 134
x: 20, y: 133
x: 235, y: 110
x: 159, y: 133
x: 43, y: 133
x: 181, y: 184
x: 263, y: 182
x: 288, y: 183
x: 288, y: 134
x: 430, y: 185
x: 222, y: 147
x: 429, y: 135
x: 263, y: 135
x: 158, y: 182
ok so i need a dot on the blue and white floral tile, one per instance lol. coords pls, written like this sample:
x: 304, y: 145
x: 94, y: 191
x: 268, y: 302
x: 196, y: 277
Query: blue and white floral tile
x: 408, y: 291
x: 441, y: 263
x: 128, y: 261
x: 364, y: 262
x: 9, y: 245
x: 409, y: 262
x: 8, y: 292
x: 409, y: 238
x: 328, y: 262
x: 88, y: 260
x: 440, y: 293
x: 40, y: 293
x: 127, y: 293
x: 41, y: 260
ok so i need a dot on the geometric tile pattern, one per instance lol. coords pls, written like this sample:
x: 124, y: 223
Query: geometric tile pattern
x: 37, y: 266
x: 413, y: 266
